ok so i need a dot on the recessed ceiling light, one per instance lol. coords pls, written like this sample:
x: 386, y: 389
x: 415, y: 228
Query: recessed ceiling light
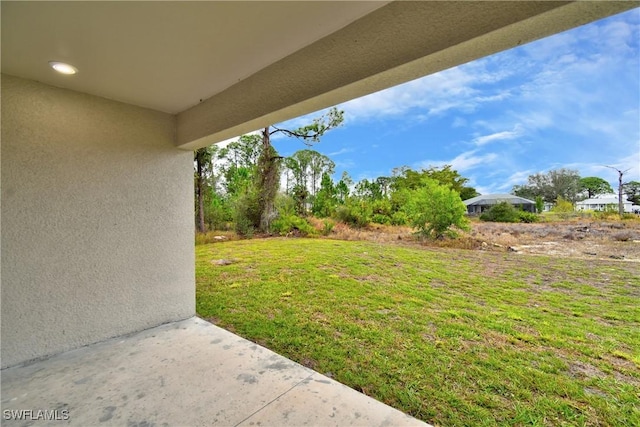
x: 63, y: 68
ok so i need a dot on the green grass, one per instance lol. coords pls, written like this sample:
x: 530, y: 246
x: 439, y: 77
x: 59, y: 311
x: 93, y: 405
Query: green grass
x: 452, y: 337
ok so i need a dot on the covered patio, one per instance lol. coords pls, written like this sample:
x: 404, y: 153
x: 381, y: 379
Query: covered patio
x: 186, y: 373
x: 98, y: 280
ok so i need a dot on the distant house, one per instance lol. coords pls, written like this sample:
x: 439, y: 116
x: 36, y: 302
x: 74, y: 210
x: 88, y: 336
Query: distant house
x: 546, y: 206
x: 479, y: 204
x: 603, y: 203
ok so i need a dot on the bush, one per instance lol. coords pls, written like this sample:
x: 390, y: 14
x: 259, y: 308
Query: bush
x: 399, y: 218
x: 287, y: 224
x: 563, y: 207
x: 327, y: 227
x: 354, y: 213
x: 218, y: 213
x: 246, y: 216
x: 528, y: 217
x: 381, y: 219
x: 433, y: 209
x: 382, y: 207
x: 502, y: 212
x: 606, y: 214
x: 505, y: 212
x: 243, y: 226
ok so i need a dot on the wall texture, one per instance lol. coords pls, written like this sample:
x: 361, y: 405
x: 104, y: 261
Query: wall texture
x: 97, y: 221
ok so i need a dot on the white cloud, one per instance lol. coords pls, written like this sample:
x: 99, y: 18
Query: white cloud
x: 499, y: 136
x: 463, y: 162
x: 459, y: 122
x: 453, y: 89
x: 341, y: 151
x: 344, y: 164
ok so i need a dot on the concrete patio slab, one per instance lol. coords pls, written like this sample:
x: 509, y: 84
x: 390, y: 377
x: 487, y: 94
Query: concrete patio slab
x: 187, y: 373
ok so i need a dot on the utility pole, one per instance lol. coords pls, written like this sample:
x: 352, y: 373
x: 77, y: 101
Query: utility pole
x: 620, y: 174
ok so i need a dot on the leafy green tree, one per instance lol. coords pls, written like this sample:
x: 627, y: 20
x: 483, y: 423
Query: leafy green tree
x: 238, y: 180
x: 342, y: 188
x: 205, y: 181
x: 449, y: 177
x: 539, y: 204
x: 407, y: 178
x: 240, y: 163
x: 527, y: 192
x: 467, y: 193
x: 243, y: 152
x: 267, y: 179
x: 368, y: 190
x: 325, y: 201
x: 384, y: 183
x: 593, y: 186
x: 563, y: 183
x: 307, y: 167
x: 319, y: 166
x: 632, y: 191
x: 433, y: 209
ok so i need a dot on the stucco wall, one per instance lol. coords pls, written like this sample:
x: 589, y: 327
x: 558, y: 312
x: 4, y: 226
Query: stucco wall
x: 97, y: 223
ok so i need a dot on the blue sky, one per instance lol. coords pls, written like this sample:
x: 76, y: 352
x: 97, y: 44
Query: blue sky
x: 571, y: 100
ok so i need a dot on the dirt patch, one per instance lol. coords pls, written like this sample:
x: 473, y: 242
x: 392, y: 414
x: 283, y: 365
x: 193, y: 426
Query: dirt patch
x: 601, y: 240
x: 309, y: 363
x: 586, y: 240
x: 584, y: 370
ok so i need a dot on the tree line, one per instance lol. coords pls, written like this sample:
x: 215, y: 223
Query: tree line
x: 247, y: 185
x: 567, y: 185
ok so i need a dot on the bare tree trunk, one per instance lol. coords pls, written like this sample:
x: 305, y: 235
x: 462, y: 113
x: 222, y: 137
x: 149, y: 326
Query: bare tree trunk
x: 199, y: 195
x: 620, y: 189
x: 268, y: 182
x: 620, y: 204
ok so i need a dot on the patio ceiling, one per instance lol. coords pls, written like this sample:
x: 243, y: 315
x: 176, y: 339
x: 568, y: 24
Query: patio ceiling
x: 162, y: 55
x: 226, y: 68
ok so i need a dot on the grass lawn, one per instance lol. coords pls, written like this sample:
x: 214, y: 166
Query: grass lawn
x: 452, y: 337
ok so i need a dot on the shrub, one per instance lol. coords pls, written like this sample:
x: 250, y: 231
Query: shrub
x: 606, y: 214
x: 502, y: 212
x: 539, y: 204
x: 218, y: 213
x: 243, y: 226
x: 327, y: 227
x: 381, y: 219
x: 355, y: 213
x: 563, y: 207
x: 433, y: 209
x: 246, y: 216
x: 286, y: 224
x: 399, y: 218
x: 382, y: 207
x: 505, y: 212
x: 528, y: 217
